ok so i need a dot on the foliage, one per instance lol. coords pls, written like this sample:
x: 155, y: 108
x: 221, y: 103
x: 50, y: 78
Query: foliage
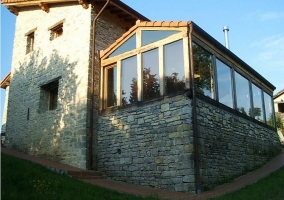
x: 25, y: 180
x: 279, y: 121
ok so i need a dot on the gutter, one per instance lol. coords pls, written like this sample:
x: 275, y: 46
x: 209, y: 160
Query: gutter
x: 91, y: 131
x: 194, y: 116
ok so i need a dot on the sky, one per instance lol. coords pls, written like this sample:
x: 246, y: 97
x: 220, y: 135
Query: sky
x: 256, y: 30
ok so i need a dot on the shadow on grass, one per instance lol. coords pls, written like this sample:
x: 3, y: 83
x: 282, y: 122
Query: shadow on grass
x: 268, y: 188
x: 22, y: 179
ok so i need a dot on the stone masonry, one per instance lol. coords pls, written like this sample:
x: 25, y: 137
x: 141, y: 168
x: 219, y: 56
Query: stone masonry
x: 149, y: 145
x: 59, y: 134
x: 231, y: 145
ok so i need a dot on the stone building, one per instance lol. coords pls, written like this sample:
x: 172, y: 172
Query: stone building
x: 162, y: 104
x: 279, y: 101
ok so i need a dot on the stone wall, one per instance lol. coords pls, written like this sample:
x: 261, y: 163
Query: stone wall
x: 231, y: 144
x: 58, y: 134
x: 151, y: 144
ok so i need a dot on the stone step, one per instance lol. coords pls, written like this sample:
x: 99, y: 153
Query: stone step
x: 85, y: 174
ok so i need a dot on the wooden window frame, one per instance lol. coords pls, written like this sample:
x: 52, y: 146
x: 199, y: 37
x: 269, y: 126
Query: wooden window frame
x: 30, y: 40
x: 56, y: 30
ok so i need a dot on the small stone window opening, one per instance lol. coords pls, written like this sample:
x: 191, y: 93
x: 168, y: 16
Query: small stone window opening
x: 281, y: 107
x: 56, y: 30
x: 49, y: 96
x: 30, y: 41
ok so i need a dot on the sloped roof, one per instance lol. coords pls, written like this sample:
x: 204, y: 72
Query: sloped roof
x: 278, y: 94
x: 116, y: 7
x: 6, y: 81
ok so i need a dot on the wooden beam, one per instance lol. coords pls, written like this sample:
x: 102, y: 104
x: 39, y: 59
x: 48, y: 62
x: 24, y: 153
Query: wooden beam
x: 13, y: 10
x: 84, y: 3
x: 44, y: 7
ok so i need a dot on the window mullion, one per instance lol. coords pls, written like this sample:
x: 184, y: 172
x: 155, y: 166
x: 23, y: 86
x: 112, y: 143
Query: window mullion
x: 139, y: 77
x: 162, y: 70
x: 119, y: 82
x: 186, y: 61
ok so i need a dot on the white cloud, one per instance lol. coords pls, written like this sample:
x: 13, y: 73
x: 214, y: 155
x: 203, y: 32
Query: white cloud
x: 264, y: 16
x: 271, y: 16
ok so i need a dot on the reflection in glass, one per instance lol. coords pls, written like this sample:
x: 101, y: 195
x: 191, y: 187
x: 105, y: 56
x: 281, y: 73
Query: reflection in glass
x: 150, y: 36
x: 129, y: 80
x: 242, y: 94
x: 128, y: 45
x: 224, y: 83
x: 151, y: 86
x: 112, y: 87
x: 257, y: 103
x: 269, y: 114
x: 174, y: 67
x: 203, y: 71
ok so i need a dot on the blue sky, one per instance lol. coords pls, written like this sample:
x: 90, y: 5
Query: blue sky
x: 256, y: 30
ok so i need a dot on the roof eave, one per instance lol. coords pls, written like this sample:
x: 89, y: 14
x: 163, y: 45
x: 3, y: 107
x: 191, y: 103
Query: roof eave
x: 6, y: 81
x: 234, y: 57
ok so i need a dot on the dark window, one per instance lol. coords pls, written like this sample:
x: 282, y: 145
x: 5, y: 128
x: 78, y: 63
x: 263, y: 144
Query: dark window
x: 281, y: 107
x: 30, y: 42
x: 56, y: 32
x: 49, y: 96
x: 112, y: 86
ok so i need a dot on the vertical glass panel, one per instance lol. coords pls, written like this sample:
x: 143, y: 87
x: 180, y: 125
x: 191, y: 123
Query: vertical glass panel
x: 224, y: 83
x: 128, y: 45
x: 257, y: 103
x: 174, y: 67
x: 129, y: 80
x: 112, y: 87
x: 150, y: 64
x: 269, y: 114
x: 242, y: 94
x: 203, y: 71
x: 150, y: 36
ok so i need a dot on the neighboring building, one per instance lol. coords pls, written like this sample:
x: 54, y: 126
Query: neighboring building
x: 165, y: 106
x: 279, y: 102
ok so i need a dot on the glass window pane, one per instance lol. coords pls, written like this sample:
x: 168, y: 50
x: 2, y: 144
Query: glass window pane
x: 269, y: 114
x: 224, y: 83
x: 242, y: 94
x: 203, y: 71
x: 151, y: 86
x: 129, y: 80
x: 128, y: 45
x: 112, y: 87
x: 174, y: 67
x: 153, y: 36
x: 257, y: 103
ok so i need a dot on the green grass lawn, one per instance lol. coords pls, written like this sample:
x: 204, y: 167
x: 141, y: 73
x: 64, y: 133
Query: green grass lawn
x: 22, y: 179
x: 268, y: 188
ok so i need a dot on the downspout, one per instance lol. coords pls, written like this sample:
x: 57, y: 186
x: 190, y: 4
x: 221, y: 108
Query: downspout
x: 194, y: 116
x: 91, y: 131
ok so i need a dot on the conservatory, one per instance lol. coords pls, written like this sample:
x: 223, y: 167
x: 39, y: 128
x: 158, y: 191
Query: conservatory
x: 156, y: 59
x: 180, y: 111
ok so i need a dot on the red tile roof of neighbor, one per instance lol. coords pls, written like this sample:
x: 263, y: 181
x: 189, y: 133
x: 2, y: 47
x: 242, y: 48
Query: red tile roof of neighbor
x: 278, y: 94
